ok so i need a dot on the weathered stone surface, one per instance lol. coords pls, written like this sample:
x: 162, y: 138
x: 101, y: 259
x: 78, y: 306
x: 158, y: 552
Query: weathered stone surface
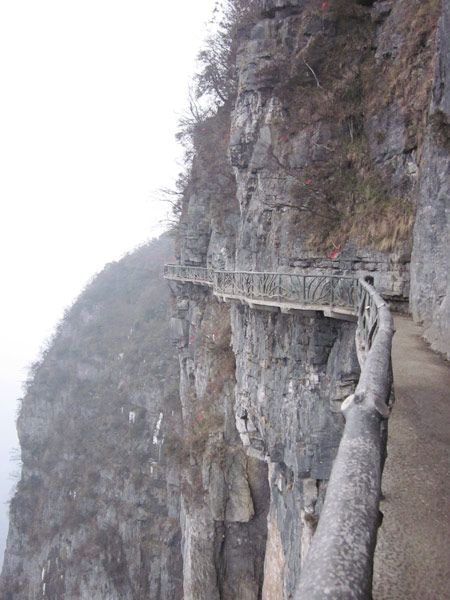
x: 430, y: 267
x: 96, y: 512
x: 268, y: 6
x: 293, y: 372
x: 225, y: 494
x: 269, y: 155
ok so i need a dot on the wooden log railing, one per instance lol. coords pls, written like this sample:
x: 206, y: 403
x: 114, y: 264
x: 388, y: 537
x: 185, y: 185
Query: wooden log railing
x: 339, y: 563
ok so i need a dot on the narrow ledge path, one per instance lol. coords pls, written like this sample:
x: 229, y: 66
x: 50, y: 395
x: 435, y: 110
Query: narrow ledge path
x: 412, y: 559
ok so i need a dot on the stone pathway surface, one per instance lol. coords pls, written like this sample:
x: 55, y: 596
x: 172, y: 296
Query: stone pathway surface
x: 412, y: 560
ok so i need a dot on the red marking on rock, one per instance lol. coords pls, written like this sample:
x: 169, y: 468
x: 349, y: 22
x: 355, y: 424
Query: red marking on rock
x: 335, y: 251
x: 308, y: 182
x: 284, y: 139
x: 200, y: 416
x: 324, y: 5
x: 192, y: 338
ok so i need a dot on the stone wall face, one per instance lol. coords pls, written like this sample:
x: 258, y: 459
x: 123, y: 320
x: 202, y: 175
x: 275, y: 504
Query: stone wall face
x: 292, y: 372
x: 430, y: 266
x: 272, y: 150
x: 96, y: 511
x: 225, y: 493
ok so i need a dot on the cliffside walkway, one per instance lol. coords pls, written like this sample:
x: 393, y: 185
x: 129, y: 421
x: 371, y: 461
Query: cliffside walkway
x: 412, y: 559
x: 337, y: 297
x: 340, y: 559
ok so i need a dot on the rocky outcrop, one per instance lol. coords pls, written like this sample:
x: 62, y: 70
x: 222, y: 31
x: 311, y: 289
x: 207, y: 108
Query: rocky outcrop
x: 292, y: 374
x: 225, y: 492
x: 290, y: 127
x: 309, y: 138
x: 430, y: 267
x: 96, y: 511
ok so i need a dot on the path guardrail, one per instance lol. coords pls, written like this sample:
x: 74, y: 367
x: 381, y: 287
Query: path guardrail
x: 288, y: 287
x: 313, y: 291
x: 200, y: 275
x: 339, y: 563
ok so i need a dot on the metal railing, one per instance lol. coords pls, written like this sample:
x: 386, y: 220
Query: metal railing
x: 315, y: 290
x: 288, y: 287
x: 339, y: 563
x: 200, y: 275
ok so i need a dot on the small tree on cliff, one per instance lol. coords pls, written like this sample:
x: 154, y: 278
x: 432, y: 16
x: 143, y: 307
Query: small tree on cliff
x: 203, y: 128
x: 216, y: 78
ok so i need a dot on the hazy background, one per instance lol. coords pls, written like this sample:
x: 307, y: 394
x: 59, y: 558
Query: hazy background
x: 91, y: 90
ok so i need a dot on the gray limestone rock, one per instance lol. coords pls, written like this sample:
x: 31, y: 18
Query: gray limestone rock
x: 430, y: 266
x: 96, y: 510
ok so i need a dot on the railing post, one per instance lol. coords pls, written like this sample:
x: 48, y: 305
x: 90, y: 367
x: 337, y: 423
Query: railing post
x: 332, y: 292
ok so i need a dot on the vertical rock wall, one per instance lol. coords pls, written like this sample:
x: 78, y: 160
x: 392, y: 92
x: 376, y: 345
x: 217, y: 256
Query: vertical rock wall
x: 430, y: 267
x: 286, y: 133
x: 96, y: 511
x: 292, y: 374
x: 225, y: 493
x: 330, y: 112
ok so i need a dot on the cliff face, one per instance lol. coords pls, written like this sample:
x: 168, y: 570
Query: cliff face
x: 430, y: 266
x: 96, y: 512
x: 330, y: 155
x: 329, y: 143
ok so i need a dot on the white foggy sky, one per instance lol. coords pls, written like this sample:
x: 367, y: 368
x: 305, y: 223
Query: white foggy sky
x: 90, y: 92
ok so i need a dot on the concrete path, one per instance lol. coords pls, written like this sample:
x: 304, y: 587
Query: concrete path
x: 413, y: 553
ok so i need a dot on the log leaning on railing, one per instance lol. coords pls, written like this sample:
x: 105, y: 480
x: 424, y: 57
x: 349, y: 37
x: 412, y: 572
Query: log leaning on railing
x: 339, y: 563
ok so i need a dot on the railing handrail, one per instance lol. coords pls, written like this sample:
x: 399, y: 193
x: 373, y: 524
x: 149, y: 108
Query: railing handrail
x: 208, y: 280
x: 286, y: 273
x: 225, y: 282
x: 340, y: 559
x: 227, y: 271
